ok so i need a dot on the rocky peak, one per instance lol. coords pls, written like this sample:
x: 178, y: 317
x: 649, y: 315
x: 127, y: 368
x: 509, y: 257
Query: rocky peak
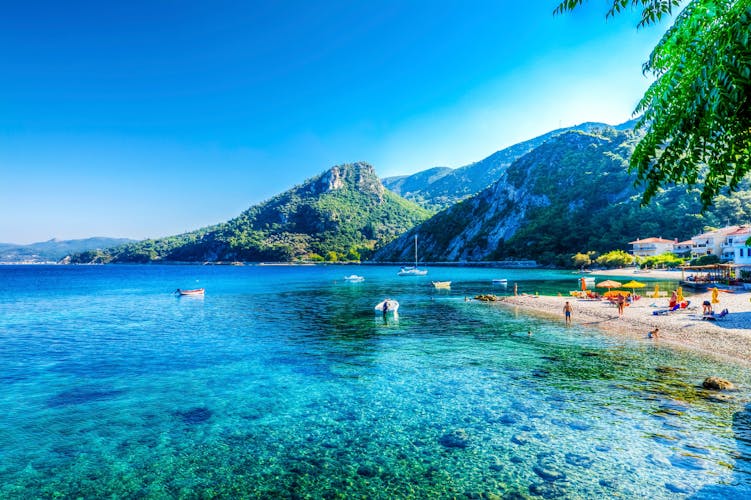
x: 359, y: 176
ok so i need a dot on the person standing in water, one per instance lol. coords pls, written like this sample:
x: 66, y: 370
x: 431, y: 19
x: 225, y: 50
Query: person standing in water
x: 567, y: 310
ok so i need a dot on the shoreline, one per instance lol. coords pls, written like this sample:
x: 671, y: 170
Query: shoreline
x: 728, y: 339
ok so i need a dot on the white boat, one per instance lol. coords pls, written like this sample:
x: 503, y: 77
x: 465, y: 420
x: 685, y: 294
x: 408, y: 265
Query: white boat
x: 413, y: 270
x: 387, y: 306
x: 441, y: 284
x: 500, y: 281
x: 353, y: 278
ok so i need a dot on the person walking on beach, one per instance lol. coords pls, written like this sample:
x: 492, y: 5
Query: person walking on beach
x: 567, y: 309
x: 621, y: 303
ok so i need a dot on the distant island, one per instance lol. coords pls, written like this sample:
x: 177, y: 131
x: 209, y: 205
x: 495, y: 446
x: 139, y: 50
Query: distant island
x: 54, y: 249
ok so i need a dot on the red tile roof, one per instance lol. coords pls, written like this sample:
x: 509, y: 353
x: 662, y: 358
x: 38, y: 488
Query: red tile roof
x: 652, y: 240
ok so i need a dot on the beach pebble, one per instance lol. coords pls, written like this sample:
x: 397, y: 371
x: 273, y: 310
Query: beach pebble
x: 717, y: 384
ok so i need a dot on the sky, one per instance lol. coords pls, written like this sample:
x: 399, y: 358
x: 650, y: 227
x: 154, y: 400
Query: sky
x: 146, y: 119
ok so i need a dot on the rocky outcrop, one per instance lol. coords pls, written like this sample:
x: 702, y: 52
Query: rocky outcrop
x: 717, y: 384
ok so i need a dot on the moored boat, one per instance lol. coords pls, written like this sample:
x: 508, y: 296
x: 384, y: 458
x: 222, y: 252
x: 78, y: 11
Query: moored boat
x: 413, y: 270
x: 387, y: 306
x: 695, y: 285
x: 196, y: 291
x: 353, y: 278
x: 441, y: 284
x: 500, y: 281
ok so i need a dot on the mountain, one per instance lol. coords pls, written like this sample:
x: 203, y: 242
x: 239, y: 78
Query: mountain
x: 344, y: 213
x: 440, y: 187
x: 571, y: 194
x: 54, y: 250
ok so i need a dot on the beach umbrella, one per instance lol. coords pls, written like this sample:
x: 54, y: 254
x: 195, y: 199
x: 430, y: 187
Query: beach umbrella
x: 679, y: 292
x: 657, y: 291
x: 633, y: 285
x: 584, y: 284
x: 715, y: 296
x: 609, y: 284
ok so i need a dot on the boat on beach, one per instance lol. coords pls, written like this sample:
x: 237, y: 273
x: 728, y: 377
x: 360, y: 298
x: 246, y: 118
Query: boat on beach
x: 441, y: 284
x: 353, y: 278
x: 387, y: 306
x: 194, y: 292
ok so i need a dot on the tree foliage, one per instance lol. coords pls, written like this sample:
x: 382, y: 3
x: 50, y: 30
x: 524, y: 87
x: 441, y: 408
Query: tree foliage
x: 615, y: 258
x: 697, y: 113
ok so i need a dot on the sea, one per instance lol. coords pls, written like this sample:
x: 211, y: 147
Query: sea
x: 284, y: 382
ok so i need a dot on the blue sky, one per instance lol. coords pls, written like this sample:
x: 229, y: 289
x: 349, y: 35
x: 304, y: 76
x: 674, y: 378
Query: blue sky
x: 145, y: 119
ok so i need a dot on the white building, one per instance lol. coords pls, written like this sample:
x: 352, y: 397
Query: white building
x: 650, y: 247
x: 734, y: 248
x: 683, y: 248
x: 711, y: 242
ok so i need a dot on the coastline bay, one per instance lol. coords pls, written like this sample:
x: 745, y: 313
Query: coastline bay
x: 281, y: 382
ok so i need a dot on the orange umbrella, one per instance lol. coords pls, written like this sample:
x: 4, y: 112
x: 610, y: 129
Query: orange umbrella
x: 657, y: 291
x: 715, y: 296
x: 584, y: 284
x: 609, y: 284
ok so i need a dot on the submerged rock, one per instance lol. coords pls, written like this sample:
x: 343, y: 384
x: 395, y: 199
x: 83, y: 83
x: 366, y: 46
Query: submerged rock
x: 367, y: 470
x: 579, y: 460
x: 455, y: 439
x: 717, y: 384
x: 548, y: 473
x: 195, y: 415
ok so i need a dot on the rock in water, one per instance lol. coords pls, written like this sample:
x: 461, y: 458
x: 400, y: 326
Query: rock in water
x: 717, y: 384
x: 455, y: 439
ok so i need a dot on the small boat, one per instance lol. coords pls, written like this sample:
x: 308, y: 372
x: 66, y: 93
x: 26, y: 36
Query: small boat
x: 441, y: 284
x: 353, y: 278
x: 500, y: 281
x: 197, y: 291
x: 695, y: 285
x: 387, y: 306
x: 413, y: 270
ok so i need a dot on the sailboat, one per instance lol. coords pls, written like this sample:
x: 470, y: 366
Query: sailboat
x: 413, y: 270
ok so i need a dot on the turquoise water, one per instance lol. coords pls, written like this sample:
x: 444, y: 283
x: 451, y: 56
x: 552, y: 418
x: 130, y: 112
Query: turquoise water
x: 282, y: 382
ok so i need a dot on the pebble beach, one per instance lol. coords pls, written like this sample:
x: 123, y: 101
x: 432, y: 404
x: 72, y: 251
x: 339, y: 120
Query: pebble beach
x: 728, y: 338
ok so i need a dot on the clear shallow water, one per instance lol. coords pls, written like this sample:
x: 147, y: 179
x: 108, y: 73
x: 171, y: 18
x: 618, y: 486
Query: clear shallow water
x: 282, y: 382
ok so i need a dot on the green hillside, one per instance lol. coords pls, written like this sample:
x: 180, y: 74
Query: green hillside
x: 343, y: 213
x: 572, y: 194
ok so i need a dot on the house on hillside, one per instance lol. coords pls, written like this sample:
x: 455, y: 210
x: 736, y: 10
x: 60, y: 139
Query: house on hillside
x: 735, y: 247
x: 711, y: 242
x: 651, y: 247
x: 683, y: 248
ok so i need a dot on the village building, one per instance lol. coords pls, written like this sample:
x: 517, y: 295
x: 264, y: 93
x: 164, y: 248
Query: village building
x: 735, y: 248
x: 651, y: 247
x: 711, y: 242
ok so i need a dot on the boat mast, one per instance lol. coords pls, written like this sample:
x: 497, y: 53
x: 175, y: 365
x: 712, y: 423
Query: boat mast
x: 415, y: 251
